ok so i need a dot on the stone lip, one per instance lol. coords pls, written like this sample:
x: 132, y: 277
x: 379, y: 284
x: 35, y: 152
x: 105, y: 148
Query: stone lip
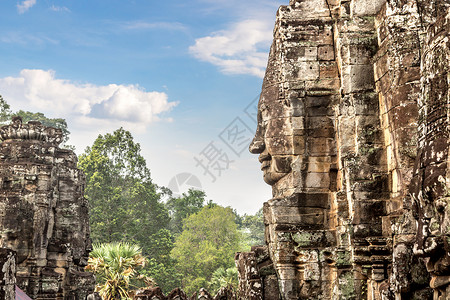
x: 33, y: 130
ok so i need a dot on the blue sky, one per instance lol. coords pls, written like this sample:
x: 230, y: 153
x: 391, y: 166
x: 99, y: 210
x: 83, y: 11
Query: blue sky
x: 177, y: 74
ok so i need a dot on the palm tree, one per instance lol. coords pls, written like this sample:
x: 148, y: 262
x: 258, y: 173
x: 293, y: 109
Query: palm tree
x: 116, y: 266
x: 227, y: 278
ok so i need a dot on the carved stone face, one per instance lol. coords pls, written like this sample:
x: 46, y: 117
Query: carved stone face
x: 273, y: 140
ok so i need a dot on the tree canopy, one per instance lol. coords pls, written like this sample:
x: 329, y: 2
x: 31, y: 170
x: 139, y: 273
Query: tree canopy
x: 208, y: 242
x: 182, y: 207
x: 125, y: 204
x: 253, y: 228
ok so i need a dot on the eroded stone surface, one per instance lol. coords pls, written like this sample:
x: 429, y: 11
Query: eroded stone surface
x: 177, y: 294
x: 353, y: 137
x: 257, y: 278
x: 43, y: 213
x: 7, y: 274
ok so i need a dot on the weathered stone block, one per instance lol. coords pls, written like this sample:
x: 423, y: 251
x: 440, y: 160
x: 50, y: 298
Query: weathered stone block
x: 322, y: 87
x: 328, y: 70
x: 315, y: 239
x: 357, y: 78
x: 304, y: 71
x: 366, y: 7
x: 313, y: 9
x: 326, y: 52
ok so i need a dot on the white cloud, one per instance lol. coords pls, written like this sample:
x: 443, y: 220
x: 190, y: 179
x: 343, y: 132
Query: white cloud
x: 130, y: 103
x: 39, y: 90
x: 142, y: 25
x: 242, y: 49
x: 25, y: 5
x: 59, y: 8
x: 26, y: 39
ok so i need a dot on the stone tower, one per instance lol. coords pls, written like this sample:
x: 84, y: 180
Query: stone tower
x: 43, y: 213
x: 353, y: 137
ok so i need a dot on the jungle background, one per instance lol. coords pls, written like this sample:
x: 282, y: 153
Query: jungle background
x: 143, y: 235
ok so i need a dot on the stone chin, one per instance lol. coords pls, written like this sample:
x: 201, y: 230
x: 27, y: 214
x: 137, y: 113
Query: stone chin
x: 273, y: 177
x: 276, y: 170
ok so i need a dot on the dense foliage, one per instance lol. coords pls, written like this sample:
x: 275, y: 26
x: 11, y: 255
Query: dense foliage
x: 117, y: 268
x: 182, y: 207
x: 224, y: 278
x: 209, y: 241
x: 253, y: 228
x: 5, y: 111
x: 125, y: 205
x: 186, y: 240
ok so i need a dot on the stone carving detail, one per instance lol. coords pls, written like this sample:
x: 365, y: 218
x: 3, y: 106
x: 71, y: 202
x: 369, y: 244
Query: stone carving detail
x: 7, y: 274
x: 177, y: 294
x: 33, y: 130
x: 257, y: 278
x: 43, y: 213
x: 431, y: 188
x: 353, y: 138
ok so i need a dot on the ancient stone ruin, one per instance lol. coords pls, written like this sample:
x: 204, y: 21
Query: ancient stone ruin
x: 178, y: 294
x: 44, y: 219
x: 353, y: 136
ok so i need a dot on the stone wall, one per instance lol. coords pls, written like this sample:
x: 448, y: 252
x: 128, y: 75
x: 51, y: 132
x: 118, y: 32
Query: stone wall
x: 43, y: 213
x: 353, y: 137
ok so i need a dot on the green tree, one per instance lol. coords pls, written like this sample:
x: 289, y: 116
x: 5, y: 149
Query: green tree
x: 117, y: 268
x: 252, y: 227
x: 182, y: 207
x: 209, y: 241
x: 165, y: 274
x: 224, y: 278
x: 5, y: 111
x: 125, y: 205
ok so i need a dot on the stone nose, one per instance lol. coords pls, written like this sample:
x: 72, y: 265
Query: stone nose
x: 257, y: 146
